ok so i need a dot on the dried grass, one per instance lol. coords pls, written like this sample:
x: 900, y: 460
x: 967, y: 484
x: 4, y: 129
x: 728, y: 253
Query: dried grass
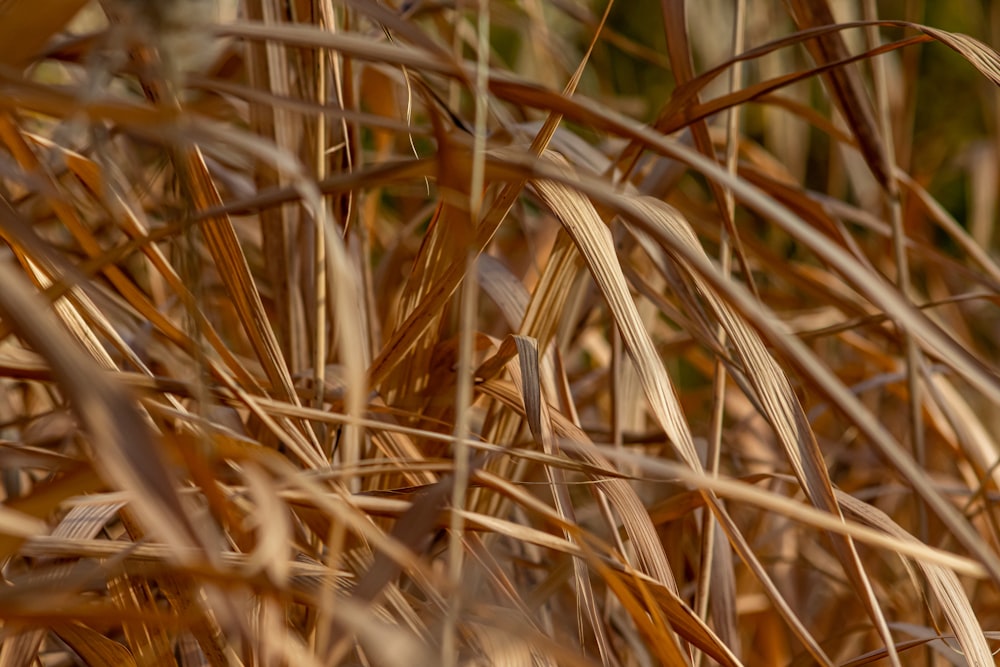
x: 352, y: 334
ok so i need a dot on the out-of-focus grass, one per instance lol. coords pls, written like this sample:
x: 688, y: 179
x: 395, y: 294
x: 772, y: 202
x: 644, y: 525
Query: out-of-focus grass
x: 538, y: 333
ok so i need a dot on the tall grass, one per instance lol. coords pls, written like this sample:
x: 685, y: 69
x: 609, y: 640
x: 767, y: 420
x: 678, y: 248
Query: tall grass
x: 515, y: 333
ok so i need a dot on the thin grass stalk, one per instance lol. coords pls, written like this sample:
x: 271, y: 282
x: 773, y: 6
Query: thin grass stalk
x: 468, y: 308
x: 724, y: 625
x: 319, y: 259
x: 912, y: 354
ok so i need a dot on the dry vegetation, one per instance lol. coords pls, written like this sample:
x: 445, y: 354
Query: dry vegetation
x: 521, y: 332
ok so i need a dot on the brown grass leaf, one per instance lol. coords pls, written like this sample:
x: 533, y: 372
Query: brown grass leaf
x: 944, y: 584
x: 124, y: 449
x: 935, y: 341
x: 93, y: 647
x: 25, y: 29
x: 357, y: 46
x: 224, y: 245
x: 845, y: 85
x: 777, y: 399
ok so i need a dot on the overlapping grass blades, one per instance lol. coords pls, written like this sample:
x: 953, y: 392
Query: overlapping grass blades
x: 419, y: 335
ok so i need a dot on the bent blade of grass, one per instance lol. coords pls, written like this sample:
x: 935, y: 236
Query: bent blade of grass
x: 594, y: 242
x: 778, y: 401
x: 789, y: 426
x: 943, y: 582
x: 958, y: 610
x: 935, y: 341
x: 981, y: 56
x: 544, y: 309
x: 539, y: 318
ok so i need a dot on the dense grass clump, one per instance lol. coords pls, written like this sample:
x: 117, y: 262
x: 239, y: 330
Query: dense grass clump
x: 512, y: 332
